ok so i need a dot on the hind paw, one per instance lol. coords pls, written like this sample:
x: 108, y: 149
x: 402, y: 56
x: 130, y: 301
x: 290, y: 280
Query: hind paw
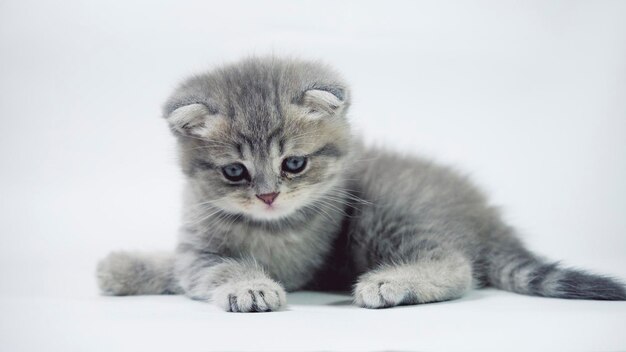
x: 116, y: 272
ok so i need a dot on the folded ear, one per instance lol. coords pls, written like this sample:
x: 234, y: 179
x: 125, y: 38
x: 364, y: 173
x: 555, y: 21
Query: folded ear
x: 193, y: 120
x: 324, y: 102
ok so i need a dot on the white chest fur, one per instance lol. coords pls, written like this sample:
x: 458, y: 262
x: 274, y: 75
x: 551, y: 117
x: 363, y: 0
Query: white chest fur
x: 289, y: 257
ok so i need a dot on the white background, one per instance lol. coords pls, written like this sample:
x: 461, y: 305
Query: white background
x: 528, y: 97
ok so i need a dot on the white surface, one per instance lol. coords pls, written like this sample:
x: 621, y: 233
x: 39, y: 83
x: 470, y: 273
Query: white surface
x: 484, y: 320
x: 526, y: 96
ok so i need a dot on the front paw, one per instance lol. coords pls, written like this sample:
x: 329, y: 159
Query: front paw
x: 375, y: 291
x: 258, y: 295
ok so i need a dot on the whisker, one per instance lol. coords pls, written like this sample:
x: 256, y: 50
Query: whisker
x: 332, y: 206
x: 319, y: 211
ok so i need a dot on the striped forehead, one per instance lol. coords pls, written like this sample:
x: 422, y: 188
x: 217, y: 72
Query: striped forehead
x: 261, y: 148
x: 253, y: 100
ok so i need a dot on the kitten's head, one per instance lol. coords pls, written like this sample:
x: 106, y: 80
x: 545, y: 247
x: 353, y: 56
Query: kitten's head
x: 263, y: 137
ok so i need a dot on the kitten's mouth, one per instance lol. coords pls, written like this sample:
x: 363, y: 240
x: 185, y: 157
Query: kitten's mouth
x: 274, y: 208
x: 270, y: 208
x: 270, y: 212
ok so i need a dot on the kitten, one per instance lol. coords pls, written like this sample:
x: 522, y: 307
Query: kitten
x: 281, y: 197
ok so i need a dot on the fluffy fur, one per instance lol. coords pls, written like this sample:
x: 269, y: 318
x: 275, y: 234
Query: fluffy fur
x: 397, y: 229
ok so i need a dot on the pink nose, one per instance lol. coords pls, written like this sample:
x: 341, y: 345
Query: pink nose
x: 267, y: 198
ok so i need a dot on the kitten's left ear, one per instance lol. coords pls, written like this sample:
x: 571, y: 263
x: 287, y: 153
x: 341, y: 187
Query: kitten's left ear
x: 324, y: 102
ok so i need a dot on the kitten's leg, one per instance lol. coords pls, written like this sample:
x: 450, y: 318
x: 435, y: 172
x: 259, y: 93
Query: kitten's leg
x: 136, y: 273
x: 233, y: 285
x: 435, y: 275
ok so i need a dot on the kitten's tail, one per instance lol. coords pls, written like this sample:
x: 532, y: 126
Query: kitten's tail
x: 131, y: 273
x: 522, y: 272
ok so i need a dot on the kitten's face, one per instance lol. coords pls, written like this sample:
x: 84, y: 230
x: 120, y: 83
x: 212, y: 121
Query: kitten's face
x: 264, y: 148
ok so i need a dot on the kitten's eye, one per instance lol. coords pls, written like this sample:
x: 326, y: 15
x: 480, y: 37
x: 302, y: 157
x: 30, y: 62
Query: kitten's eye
x: 294, y: 164
x: 235, y: 172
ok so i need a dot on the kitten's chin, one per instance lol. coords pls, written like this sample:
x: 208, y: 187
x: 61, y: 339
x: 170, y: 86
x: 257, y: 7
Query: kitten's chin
x: 270, y: 213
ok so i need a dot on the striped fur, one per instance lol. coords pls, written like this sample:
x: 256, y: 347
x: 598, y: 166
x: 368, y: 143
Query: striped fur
x: 524, y: 273
x: 395, y: 229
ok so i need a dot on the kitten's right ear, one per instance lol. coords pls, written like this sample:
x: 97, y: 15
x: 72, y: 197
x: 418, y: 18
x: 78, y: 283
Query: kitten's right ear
x: 195, y: 120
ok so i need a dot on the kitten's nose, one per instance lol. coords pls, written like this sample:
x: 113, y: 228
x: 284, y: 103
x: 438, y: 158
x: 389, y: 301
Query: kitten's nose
x: 268, y: 198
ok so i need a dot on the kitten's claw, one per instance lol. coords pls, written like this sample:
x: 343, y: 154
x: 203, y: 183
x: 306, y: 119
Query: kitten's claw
x: 260, y: 295
x: 376, y: 292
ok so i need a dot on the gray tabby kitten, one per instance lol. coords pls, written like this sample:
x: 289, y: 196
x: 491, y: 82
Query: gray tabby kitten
x: 280, y: 197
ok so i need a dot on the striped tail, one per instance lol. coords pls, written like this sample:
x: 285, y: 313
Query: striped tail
x: 524, y: 273
x: 132, y: 273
